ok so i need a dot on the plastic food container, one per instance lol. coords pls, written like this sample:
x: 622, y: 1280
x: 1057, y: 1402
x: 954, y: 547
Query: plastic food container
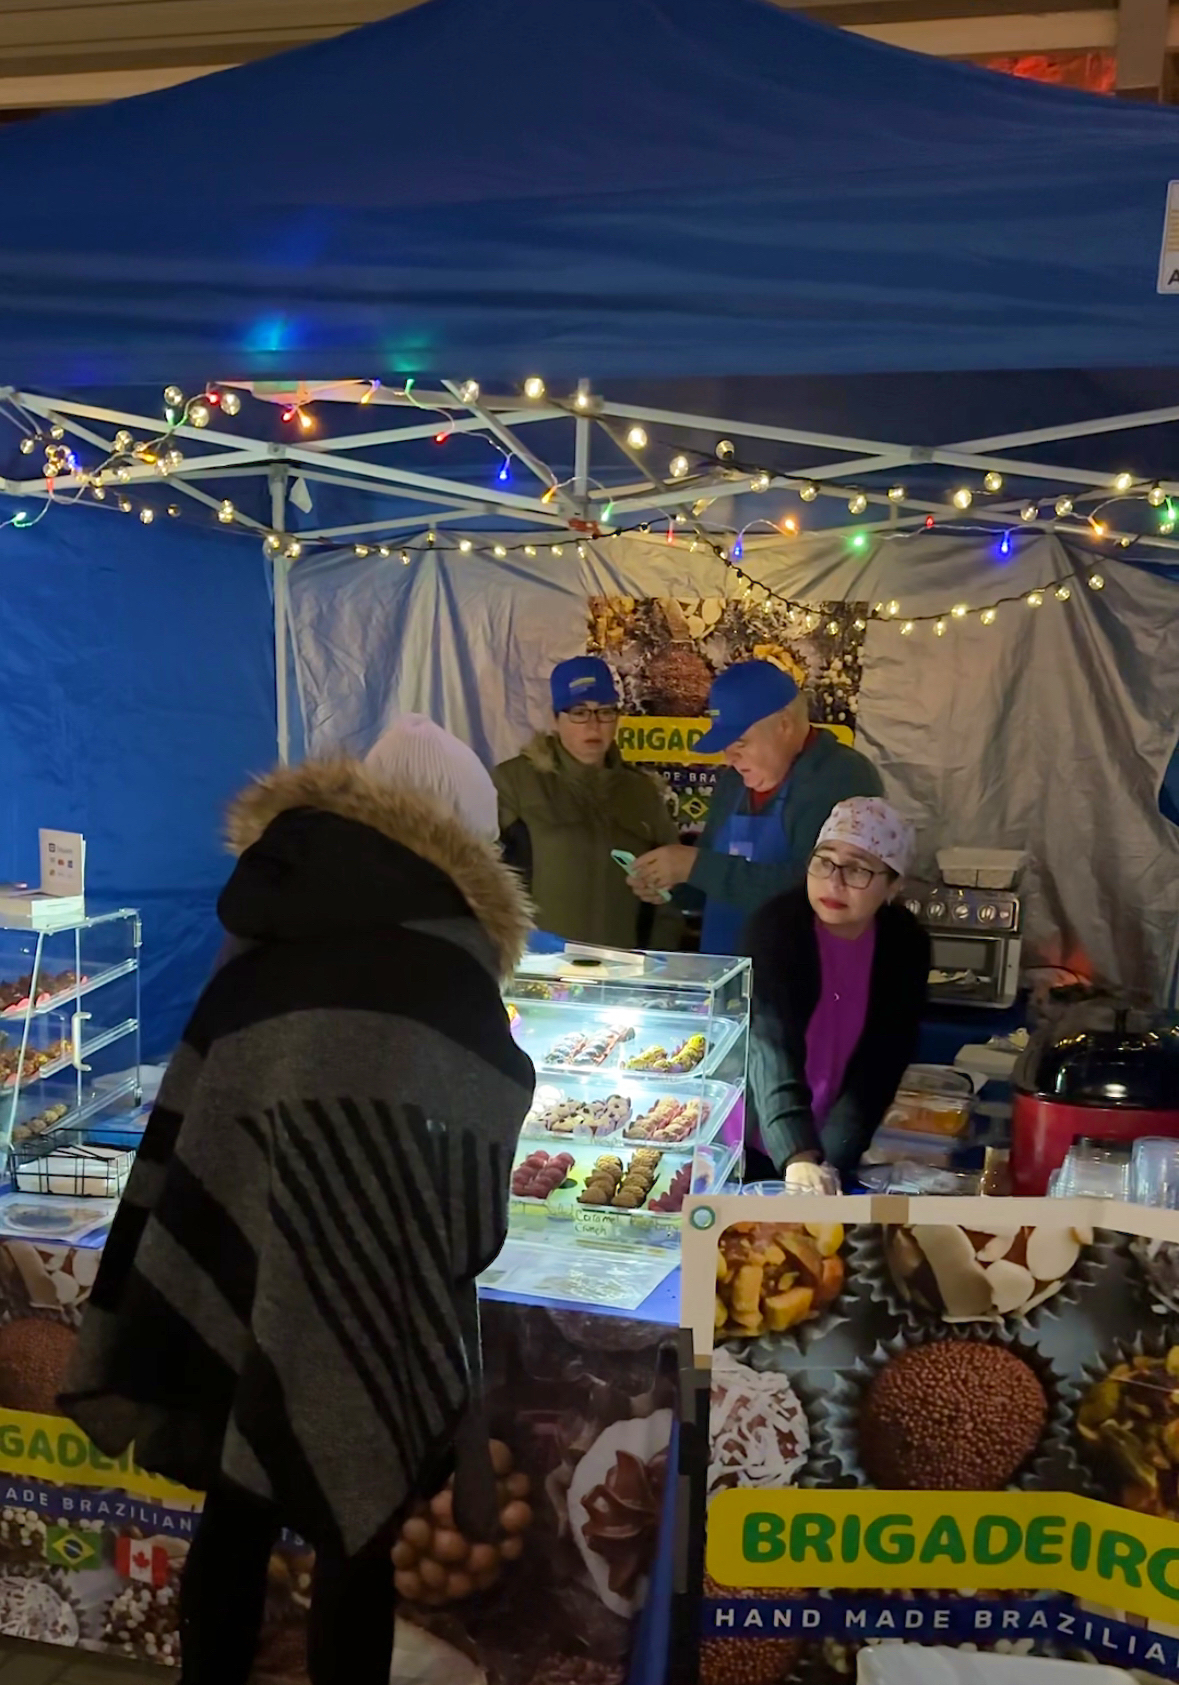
x: 929, y: 1114
x: 980, y: 868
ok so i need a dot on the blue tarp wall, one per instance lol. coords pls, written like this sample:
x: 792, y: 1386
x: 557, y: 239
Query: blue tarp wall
x: 137, y: 686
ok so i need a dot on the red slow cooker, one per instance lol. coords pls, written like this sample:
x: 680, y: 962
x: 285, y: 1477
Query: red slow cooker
x: 1101, y: 1071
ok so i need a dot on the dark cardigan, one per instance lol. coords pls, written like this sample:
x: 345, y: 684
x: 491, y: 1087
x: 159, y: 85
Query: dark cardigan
x: 786, y: 982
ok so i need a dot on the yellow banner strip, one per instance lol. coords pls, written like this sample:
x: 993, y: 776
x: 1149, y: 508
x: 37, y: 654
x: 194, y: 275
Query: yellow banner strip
x: 51, y: 1448
x: 946, y: 1541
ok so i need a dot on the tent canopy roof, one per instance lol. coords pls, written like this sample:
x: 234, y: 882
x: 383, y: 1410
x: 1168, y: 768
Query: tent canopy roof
x: 626, y: 189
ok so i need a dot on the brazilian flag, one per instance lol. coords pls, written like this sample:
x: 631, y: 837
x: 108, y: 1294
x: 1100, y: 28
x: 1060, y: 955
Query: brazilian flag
x: 67, y: 1547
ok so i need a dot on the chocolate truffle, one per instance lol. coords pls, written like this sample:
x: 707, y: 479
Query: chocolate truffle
x: 33, y: 1359
x: 953, y: 1415
x: 751, y: 1660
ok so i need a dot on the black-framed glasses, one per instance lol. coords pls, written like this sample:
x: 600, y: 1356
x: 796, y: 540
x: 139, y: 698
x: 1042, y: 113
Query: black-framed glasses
x: 585, y: 715
x: 852, y: 876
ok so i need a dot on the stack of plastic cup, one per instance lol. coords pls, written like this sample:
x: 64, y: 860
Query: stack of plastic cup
x: 1093, y: 1170
x: 1154, y: 1172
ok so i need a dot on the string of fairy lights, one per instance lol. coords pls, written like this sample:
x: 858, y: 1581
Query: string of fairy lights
x: 107, y: 481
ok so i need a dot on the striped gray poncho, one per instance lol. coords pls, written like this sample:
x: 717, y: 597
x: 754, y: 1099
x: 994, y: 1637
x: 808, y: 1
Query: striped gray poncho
x: 282, y: 1299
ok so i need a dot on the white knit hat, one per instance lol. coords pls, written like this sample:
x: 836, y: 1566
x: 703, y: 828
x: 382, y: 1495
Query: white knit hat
x: 416, y: 753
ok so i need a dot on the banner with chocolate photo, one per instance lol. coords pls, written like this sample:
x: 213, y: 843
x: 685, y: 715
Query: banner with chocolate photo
x: 666, y: 651
x: 580, y: 1410
x: 940, y: 1420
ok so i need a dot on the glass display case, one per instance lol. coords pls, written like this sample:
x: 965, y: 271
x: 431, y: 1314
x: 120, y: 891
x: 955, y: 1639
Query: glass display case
x: 640, y: 1096
x: 69, y: 1026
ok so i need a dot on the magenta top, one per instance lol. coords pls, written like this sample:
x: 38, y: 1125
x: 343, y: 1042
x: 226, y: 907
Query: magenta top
x: 838, y: 1022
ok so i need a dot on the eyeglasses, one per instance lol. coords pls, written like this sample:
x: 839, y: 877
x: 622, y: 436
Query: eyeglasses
x: 583, y: 715
x: 853, y: 876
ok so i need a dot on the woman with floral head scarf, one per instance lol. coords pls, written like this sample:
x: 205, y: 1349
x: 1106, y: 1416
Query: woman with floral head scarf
x: 840, y: 973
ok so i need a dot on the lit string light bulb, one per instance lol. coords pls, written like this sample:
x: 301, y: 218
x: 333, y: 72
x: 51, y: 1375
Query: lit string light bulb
x: 809, y: 492
x: 1030, y: 512
x: 892, y: 608
x: 272, y: 544
x: 1063, y: 506
x: 469, y: 392
x: 199, y: 414
x: 174, y: 511
x: 1035, y: 599
x: 760, y: 482
x: 857, y: 503
x: 465, y: 546
x: 1123, y: 482
x: 906, y: 628
x: 1096, y: 527
x: 1062, y: 593
x: 534, y: 387
x: 499, y: 551
x: 677, y: 468
x: 939, y: 627
x: 173, y: 397
x: 231, y: 402
x: 126, y: 505
x: 147, y: 516
x: 962, y: 498
x: 989, y: 616
x: 960, y: 611
x: 530, y: 549
x: 124, y: 442
x: 896, y: 494
x: 404, y: 558
x: 28, y: 445
x: 226, y: 514
x: 726, y: 450
x: 582, y: 401
x: 789, y: 524
x: 636, y: 438
x: 1096, y: 582
x: 360, y: 550
x: 556, y: 550
x: 992, y: 481
x: 1156, y: 496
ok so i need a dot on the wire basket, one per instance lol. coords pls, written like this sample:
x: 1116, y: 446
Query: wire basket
x: 67, y: 1163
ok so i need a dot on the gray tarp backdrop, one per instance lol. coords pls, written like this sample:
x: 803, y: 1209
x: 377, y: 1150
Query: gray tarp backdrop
x: 1050, y: 730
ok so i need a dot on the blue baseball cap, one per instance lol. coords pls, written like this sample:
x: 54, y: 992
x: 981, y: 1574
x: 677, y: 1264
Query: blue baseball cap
x: 740, y: 696
x: 583, y: 678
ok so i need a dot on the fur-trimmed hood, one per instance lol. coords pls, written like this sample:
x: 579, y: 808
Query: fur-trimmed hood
x: 423, y: 827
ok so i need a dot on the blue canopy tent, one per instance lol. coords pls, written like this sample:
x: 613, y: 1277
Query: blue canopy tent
x: 619, y: 188
x: 699, y: 222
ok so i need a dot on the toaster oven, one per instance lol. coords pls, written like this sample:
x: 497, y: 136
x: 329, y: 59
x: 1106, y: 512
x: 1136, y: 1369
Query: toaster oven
x: 975, y: 941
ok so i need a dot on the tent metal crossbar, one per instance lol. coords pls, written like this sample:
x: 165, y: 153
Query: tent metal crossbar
x: 574, y: 509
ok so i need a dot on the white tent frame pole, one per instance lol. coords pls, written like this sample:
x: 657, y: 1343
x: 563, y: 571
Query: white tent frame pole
x: 282, y: 574
x: 581, y: 451
x: 516, y: 446
x: 1073, y: 430
x: 472, y: 503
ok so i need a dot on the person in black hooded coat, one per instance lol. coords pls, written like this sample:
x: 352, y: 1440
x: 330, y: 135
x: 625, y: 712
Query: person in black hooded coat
x: 285, y: 1313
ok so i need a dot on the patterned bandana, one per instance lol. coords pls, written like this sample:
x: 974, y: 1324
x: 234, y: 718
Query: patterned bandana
x: 871, y: 824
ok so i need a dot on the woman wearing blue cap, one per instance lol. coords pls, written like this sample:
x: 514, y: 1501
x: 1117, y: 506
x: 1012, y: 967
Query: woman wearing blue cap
x: 568, y: 801
x: 782, y: 780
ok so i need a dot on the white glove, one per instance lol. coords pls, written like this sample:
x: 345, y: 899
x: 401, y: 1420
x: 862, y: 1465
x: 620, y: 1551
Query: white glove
x: 804, y: 1177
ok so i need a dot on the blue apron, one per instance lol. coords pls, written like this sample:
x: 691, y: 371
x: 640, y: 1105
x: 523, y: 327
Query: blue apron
x: 757, y: 837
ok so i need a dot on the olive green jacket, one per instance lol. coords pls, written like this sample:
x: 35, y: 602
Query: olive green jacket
x: 559, y: 821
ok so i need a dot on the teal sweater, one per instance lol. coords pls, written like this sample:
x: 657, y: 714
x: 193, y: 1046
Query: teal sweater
x: 828, y: 772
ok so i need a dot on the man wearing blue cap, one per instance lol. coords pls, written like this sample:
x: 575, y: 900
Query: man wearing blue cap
x: 783, y: 779
x: 569, y: 800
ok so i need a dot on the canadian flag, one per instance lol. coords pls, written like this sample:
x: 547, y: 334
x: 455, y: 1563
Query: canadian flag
x: 136, y: 1560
